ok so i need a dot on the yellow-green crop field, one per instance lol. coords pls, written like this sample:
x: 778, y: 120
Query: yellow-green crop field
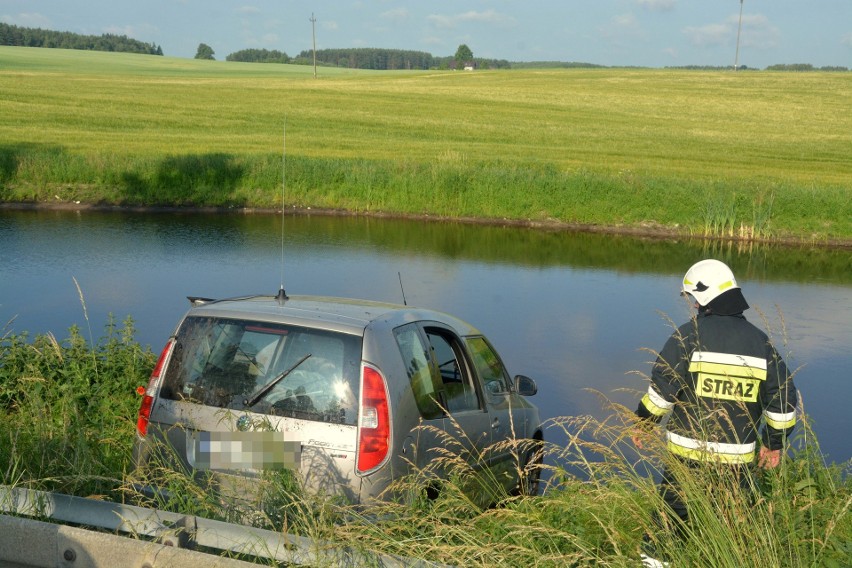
x: 751, y: 154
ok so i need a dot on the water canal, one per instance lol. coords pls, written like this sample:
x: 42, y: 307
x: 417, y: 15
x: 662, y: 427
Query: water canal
x: 577, y: 312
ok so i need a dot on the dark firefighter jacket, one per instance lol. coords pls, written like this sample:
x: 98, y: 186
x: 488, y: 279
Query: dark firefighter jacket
x: 719, y: 376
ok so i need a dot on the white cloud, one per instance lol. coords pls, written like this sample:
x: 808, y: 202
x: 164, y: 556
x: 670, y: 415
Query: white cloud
x: 248, y: 10
x: 486, y: 17
x: 657, y: 5
x: 623, y: 27
x: 757, y: 31
x: 709, y: 35
x: 27, y: 20
x: 432, y: 40
x: 136, y: 32
x: 441, y: 21
x: 397, y: 15
x: 671, y: 52
x: 847, y: 40
x: 624, y: 21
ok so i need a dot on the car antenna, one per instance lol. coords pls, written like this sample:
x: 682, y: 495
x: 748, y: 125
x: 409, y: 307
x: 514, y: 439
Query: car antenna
x: 282, y: 295
x: 399, y: 274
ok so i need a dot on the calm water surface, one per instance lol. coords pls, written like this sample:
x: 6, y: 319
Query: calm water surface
x: 575, y: 311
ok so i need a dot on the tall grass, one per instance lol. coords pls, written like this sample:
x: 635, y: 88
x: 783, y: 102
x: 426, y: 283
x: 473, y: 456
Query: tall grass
x: 65, y: 430
x: 609, y: 146
x: 720, y: 219
x: 492, y: 190
x: 67, y: 408
x: 598, y: 505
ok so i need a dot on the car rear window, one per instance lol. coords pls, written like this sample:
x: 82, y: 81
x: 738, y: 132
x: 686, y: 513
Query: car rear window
x: 238, y: 364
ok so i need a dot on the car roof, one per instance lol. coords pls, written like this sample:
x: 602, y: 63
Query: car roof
x: 346, y: 315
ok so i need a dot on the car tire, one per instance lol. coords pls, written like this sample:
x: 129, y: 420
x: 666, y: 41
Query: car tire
x: 530, y: 472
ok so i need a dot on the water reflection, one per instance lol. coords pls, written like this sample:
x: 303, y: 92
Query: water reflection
x: 575, y: 311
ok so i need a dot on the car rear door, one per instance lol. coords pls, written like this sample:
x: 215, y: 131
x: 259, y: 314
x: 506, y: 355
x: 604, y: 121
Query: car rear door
x: 423, y: 438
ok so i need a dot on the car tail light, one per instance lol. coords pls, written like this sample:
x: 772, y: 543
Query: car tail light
x: 148, y: 396
x: 374, y: 421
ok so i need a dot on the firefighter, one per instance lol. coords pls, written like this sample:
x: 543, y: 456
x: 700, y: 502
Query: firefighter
x: 729, y: 394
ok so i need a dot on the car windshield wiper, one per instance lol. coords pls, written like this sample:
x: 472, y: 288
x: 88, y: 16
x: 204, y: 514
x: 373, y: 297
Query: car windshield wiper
x: 264, y: 390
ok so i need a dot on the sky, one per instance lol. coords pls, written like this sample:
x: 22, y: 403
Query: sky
x: 647, y: 33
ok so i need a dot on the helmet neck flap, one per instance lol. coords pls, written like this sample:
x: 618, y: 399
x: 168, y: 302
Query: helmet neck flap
x: 714, y: 287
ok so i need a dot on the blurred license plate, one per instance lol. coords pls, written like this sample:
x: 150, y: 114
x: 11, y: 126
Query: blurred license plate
x: 242, y: 450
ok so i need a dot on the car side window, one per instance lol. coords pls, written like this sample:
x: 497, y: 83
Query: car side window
x: 456, y: 379
x: 415, y: 355
x: 488, y: 365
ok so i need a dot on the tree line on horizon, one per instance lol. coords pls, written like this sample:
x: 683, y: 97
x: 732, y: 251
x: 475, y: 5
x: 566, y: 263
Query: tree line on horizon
x: 259, y: 56
x: 351, y: 58
x: 37, y: 37
x: 367, y: 58
x: 394, y: 59
x: 361, y: 58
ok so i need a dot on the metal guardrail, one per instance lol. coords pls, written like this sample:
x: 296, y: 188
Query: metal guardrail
x: 26, y: 543
x: 166, y: 529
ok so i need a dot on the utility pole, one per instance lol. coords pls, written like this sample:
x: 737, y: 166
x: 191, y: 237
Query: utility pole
x: 314, y: 34
x: 739, y: 30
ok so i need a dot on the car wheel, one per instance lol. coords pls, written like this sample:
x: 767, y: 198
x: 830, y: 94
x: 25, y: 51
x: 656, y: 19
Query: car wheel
x: 530, y: 473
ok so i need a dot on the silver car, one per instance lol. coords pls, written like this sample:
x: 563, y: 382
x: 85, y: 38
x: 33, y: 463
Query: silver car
x: 351, y: 394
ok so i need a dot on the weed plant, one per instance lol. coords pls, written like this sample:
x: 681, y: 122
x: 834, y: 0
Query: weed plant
x: 67, y: 408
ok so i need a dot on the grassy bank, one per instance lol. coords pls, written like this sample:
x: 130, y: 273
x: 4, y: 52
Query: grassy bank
x: 67, y: 415
x: 67, y: 409
x: 746, y: 155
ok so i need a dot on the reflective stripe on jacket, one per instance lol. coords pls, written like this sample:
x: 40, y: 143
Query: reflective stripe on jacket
x: 702, y: 450
x: 722, y: 381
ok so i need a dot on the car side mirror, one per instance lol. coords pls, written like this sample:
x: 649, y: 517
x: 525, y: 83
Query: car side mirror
x: 525, y: 386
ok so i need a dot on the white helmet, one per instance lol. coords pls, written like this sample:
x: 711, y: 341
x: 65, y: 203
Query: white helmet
x: 707, y: 279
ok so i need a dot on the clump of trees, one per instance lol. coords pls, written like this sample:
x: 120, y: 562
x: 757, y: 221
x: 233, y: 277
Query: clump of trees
x: 802, y: 67
x: 37, y: 37
x: 259, y: 56
x: 370, y: 58
x: 710, y: 67
x: 555, y: 65
x: 464, y: 56
x: 795, y: 67
x: 204, y: 51
x: 390, y: 59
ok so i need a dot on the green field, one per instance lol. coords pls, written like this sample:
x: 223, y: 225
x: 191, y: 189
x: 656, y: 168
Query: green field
x: 747, y: 155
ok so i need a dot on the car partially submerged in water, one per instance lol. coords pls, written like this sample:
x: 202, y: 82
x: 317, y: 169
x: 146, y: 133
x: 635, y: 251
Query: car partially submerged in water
x: 350, y: 394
